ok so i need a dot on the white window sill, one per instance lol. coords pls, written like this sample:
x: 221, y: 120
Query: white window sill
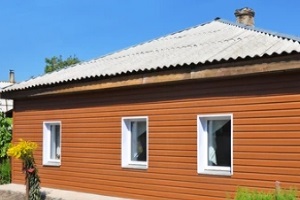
x: 51, y: 163
x: 216, y: 172
x: 135, y: 166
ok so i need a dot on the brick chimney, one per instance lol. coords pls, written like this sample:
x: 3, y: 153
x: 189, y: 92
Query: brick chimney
x: 12, y: 76
x: 245, y: 16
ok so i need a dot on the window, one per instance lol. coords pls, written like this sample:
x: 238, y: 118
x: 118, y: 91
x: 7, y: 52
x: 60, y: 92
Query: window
x: 215, y: 144
x: 52, y: 143
x: 135, y: 142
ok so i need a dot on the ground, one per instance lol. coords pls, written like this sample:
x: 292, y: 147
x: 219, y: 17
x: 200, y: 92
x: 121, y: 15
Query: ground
x: 9, y: 195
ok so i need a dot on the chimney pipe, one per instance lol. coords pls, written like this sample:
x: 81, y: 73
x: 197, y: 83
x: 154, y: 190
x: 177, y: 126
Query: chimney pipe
x: 11, y: 76
x: 245, y: 16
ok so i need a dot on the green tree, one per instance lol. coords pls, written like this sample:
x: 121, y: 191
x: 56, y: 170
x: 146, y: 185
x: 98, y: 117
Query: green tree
x: 5, y: 139
x: 5, y: 135
x: 56, y: 63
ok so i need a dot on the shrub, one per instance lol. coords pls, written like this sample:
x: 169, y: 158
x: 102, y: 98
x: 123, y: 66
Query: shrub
x: 5, y: 172
x: 246, y: 194
x: 5, y: 135
x: 24, y: 151
x: 290, y: 194
x: 280, y: 194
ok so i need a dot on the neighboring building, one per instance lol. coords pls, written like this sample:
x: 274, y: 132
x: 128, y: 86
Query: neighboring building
x: 192, y: 115
x: 6, y: 105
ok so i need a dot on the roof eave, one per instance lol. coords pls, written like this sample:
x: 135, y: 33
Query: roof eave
x: 242, y: 67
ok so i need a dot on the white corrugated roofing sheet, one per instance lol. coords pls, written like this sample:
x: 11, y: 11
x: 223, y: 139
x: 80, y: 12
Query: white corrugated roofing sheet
x: 217, y: 40
x: 4, y: 84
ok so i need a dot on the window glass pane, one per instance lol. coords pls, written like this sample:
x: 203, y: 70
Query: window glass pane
x: 219, y: 142
x: 138, y: 141
x: 55, y: 142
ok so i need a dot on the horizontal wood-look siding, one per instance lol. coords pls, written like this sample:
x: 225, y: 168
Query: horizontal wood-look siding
x: 266, y: 116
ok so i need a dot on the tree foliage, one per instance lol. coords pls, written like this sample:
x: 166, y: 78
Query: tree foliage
x: 5, y: 135
x: 56, y: 63
x: 5, y: 171
x: 5, y: 139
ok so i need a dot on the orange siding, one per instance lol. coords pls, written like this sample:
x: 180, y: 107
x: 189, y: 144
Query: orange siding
x: 266, y: 113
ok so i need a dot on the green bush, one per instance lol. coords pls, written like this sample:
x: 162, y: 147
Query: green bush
x: 246, y: 194
x: 290, y: 194
x: 5, y: 135
x: 282, y: 194
x: 5, y: 172
x: 5, y: 139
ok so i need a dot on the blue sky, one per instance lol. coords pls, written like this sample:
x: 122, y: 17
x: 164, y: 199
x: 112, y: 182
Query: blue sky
x: 35, y: 29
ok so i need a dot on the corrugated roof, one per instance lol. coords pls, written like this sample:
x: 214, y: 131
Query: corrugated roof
x: 4, y: 84
x: 218, y: 40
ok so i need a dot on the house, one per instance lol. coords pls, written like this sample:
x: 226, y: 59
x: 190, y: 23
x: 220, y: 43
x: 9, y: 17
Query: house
x: 191, y: 115
x: 6, y: 105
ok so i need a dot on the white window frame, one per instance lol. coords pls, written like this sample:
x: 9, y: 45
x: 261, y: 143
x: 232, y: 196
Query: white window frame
x: 202, y: 145
x: 126, y: 143
x: 47, y: 143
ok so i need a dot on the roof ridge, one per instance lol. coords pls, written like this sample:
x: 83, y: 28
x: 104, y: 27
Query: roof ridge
x: 253, y: 28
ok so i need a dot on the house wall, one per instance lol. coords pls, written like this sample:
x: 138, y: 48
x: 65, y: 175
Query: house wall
x: 266, y: 137
x: 5, y: 104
